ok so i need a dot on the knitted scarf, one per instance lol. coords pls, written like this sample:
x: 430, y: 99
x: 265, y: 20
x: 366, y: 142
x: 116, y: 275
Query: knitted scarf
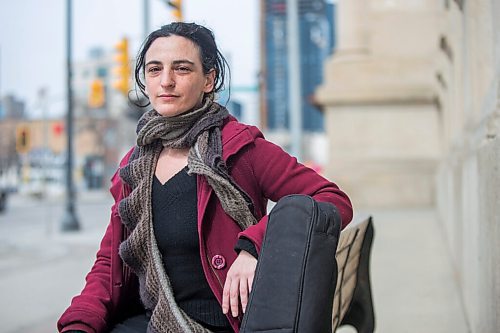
x: 198, y: 130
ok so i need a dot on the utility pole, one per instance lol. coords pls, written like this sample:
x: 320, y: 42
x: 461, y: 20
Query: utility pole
x: 70, y: 221
x: 146, y: 18
x: 263, y: 72
x: 42, y: 101
x: 1, y: 96
x: 294, y: 81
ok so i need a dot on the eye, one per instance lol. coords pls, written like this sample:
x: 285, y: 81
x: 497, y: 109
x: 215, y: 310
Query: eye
x: 154, y: 69
x: 182, y: 69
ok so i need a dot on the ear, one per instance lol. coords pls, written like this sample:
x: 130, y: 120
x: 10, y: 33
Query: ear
x: 209, y: 81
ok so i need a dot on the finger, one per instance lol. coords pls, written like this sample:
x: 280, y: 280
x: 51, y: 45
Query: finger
x: 233, y: 297
x: 244, y: 294
x: 250, y: 283
x: 225, y: 295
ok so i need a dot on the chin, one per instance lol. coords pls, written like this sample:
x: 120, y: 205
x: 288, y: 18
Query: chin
x: 170, y: 112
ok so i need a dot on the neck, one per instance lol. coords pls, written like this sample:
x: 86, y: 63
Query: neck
x: 176, y: 152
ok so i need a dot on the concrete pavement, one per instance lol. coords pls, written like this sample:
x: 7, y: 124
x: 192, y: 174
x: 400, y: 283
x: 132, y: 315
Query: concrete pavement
x: 412, y: 277
x: 41, y: 268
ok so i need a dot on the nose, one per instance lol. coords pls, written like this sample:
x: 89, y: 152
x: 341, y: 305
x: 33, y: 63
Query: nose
x: 167, y: 79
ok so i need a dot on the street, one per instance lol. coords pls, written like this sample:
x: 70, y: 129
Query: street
x: 41, y: 268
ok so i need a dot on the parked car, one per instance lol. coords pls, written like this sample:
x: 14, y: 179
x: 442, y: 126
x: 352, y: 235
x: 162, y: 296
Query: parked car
x: 8, y: 184
x: 3, y: 200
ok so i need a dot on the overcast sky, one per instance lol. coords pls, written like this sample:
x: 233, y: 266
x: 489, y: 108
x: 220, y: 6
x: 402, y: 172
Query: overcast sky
x: 33, y: 38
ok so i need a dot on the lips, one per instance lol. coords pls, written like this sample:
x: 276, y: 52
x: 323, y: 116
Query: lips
x: 167, y: 97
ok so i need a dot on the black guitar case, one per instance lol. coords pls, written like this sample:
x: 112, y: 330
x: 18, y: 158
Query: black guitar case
x: 296, y: 273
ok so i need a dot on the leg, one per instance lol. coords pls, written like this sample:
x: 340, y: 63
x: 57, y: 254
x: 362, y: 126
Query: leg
x: 136, y: 324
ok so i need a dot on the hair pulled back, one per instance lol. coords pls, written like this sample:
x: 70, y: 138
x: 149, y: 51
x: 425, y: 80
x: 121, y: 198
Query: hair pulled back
x: 202, y: 37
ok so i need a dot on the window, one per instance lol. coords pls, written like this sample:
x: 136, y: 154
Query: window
x: 102, y: 72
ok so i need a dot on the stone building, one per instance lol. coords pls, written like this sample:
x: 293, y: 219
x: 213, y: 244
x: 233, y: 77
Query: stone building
x: 412, y: 105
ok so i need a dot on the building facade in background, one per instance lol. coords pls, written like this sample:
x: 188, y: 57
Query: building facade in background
x: 103, y: 131
x: 316, y: 44
x: 412, y: 103
x: 11, y: 108
x: 104, y: 126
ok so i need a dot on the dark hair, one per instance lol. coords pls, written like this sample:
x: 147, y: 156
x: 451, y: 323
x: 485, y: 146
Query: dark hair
x: 202, y: 37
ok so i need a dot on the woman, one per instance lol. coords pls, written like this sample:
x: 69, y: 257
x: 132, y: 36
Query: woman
x: 180, y: 252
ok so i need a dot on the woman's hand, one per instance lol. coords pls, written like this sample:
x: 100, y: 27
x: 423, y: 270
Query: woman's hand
x: 238, y: 283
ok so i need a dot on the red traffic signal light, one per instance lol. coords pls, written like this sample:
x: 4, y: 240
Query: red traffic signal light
x: 57, y: 128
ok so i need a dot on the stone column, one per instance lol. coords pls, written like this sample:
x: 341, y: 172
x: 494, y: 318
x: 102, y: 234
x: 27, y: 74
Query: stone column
x: 351, y: 34
x: 379, y: 102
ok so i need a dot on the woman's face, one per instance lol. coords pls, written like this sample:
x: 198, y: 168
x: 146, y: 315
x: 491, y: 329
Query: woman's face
x: 175, y: 82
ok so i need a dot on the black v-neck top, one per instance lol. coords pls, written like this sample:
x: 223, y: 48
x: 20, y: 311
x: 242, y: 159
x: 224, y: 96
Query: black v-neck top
x: 175, y: 226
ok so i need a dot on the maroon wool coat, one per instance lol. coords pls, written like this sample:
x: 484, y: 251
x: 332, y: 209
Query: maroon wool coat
x: 261, y: 168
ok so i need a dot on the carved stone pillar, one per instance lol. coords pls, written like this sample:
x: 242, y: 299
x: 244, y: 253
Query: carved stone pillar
x: 379, y: 102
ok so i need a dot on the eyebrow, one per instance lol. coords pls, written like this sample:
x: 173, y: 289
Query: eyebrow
x: 183, y: 61
x: 175, y: 62
x: 152, y: 62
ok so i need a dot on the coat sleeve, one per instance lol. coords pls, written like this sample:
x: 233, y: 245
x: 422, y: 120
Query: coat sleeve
x: 90, y: 311
x: 279, y: 174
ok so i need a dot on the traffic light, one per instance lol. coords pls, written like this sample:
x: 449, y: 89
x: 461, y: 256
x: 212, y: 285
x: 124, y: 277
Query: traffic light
x: 57, y: 128
x: 122, y: 67
x: 177, y: 9
x: 23, y: 139
x: 97, y: 95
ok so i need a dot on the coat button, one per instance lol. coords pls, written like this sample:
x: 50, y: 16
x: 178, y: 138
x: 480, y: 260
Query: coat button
x: 218, y: 261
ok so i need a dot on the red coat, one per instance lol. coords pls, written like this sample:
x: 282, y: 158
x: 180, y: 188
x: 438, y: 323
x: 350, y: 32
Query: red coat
x: 261, y: 168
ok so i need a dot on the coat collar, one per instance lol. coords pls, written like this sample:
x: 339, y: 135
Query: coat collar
x: 235, y: 136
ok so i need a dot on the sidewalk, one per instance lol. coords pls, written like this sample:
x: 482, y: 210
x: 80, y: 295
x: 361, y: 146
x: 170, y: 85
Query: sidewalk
x: 412, y: 278
x: 41, y: 268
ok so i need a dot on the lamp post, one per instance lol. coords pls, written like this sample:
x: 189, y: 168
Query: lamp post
x: 294, y: 80
x: 70, y: 221
x: 146, y: 17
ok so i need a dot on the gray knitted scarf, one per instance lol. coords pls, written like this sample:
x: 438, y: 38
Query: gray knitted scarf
x: 200, y: 131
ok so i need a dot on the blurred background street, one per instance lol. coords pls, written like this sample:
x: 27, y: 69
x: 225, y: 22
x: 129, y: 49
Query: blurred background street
x: 396, y: 101
x: 41, y: 268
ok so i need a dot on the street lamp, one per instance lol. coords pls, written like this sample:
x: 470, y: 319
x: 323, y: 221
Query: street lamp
x: 294, y: 88
x: 70, y: 221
